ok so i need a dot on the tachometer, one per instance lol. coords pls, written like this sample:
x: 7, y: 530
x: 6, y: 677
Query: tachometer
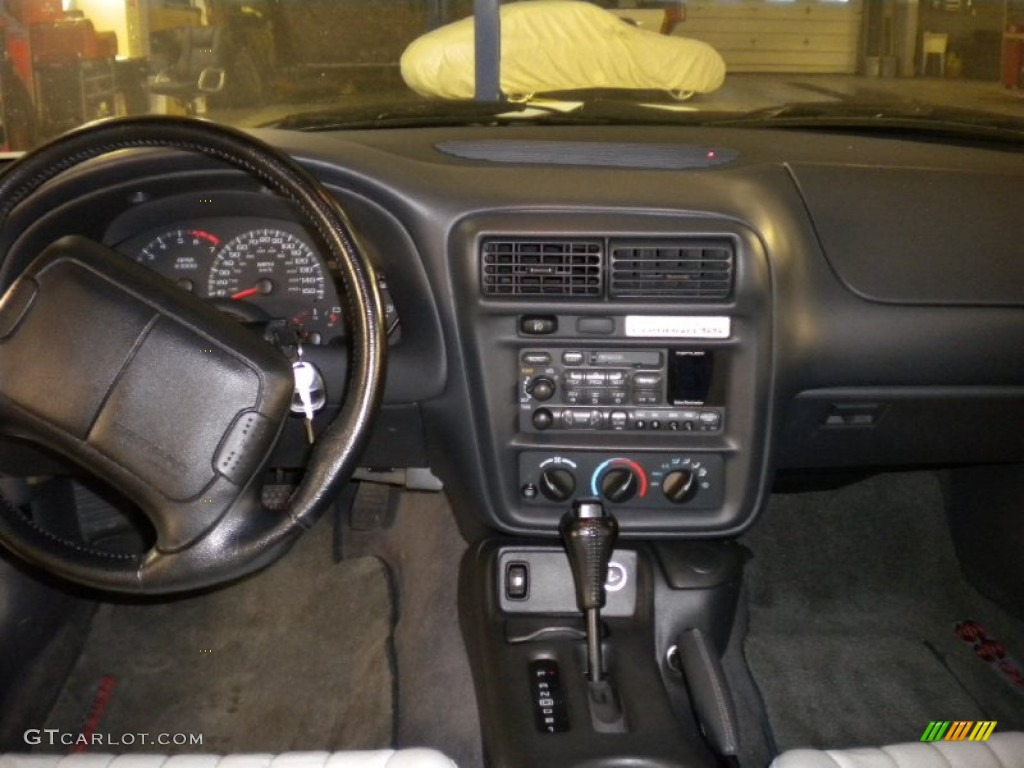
x: 278, y: 272
x: 180, y: 255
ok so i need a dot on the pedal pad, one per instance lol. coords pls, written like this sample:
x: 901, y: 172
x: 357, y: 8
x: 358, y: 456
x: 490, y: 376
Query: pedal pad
x: 275, y: 497
x: 374, y: 507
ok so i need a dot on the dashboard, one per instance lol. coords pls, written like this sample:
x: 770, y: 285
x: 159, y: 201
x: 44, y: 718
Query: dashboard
x: 614, y: 319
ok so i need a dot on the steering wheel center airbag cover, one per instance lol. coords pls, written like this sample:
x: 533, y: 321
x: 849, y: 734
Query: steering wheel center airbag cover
x: 174, y: 401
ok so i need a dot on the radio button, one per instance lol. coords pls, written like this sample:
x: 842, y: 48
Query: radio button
x: 709, y: 418
x: 655, y: 424
x: 690, y: 415
x: 572, y: 358
x: 640, y: 424
x: 566, y: 418
x: 618, y: 419
x: 542, y: 418
x: 646, y: 380
x: 542, y: 388
x: 616, y: 397
x: 573, y: 396
x: 595, y: 396
x: 596, y: 378
x: 615, y: 378
x: 574, y: 377
x: 688, y: 426
x: 674, y: 426
x: 536, y: 358
x: 645, y: 398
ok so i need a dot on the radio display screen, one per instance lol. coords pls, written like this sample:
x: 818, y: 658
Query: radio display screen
x: 693, y: 378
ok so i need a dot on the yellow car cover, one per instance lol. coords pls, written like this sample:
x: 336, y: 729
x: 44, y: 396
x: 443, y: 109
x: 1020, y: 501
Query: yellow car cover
x: 561, y: 45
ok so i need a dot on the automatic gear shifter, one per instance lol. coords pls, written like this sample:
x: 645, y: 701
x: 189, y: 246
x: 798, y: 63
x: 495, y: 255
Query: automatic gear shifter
x: 589, y: 533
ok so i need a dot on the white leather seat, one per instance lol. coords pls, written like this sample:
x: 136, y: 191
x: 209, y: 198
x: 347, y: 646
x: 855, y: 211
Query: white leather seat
x: 384, y: 758
x: 1002, y: 750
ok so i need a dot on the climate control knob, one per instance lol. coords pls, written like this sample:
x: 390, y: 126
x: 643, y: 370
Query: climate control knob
x: 619, y: 484
x: 557, y: 484
x: 679, y: 486
x: 541, y: 388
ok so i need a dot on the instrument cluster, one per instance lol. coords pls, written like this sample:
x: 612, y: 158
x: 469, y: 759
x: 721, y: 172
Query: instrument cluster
x: 254, y: 268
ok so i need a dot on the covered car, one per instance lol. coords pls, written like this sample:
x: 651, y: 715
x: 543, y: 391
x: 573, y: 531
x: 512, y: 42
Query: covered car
x: 561, y: 45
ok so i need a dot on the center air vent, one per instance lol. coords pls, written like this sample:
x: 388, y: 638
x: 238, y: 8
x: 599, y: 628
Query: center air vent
x: 542, y: 267
x: 698, y: 270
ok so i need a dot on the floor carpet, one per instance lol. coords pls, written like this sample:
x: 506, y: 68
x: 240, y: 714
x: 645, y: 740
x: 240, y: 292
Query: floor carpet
x: 854, y: 596
x: 298, y: 656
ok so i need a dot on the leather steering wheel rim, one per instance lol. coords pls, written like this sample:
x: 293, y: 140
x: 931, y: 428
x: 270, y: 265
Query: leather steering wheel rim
x: 240, y: 545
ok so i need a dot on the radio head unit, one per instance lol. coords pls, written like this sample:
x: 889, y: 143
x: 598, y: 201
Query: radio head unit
x: 670, y: 388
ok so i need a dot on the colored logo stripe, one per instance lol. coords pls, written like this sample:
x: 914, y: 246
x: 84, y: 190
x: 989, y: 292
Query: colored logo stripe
x: 982, y: 730
x: 936, y: 730
x: 958, y: 730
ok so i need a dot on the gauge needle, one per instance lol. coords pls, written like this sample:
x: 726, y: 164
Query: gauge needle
x: 245, y: 294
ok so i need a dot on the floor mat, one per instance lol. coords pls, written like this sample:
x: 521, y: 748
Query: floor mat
x: 854, y: 598
x: 296, y: 657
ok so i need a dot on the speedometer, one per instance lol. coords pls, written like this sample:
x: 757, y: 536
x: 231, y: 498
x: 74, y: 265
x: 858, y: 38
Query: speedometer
x: 278, y: 272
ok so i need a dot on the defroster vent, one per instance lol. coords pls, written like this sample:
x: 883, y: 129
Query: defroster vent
x: 542, y: 267
x: 697, y: 270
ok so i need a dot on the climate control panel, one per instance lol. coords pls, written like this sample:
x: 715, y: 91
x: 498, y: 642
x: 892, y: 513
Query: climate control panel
x: 645, y: 480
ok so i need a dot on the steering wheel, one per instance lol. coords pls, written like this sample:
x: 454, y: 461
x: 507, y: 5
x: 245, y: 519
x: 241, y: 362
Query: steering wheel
x: 172, y: 403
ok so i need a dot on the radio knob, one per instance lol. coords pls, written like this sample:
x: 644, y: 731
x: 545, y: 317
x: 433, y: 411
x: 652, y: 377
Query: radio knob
x: 557, y: 484
x: 679, y: 486
x: 541, y: 388
x: 542, y: 418
x: 619, y: 485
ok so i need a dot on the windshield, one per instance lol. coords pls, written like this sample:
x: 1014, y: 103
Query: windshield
x: 332, y: 64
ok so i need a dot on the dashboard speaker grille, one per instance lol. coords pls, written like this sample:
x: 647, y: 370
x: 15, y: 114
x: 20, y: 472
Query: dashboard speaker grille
x: 542, y: 267
x: 694, y: 270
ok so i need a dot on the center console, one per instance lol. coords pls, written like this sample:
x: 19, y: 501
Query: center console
x: 621, y: 363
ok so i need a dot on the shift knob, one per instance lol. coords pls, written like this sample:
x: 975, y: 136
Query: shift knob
x: 589, y: 534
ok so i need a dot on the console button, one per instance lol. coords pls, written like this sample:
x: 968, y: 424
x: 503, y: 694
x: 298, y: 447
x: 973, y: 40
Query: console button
x: 536, y: 358
x: 572, y: 358
x: 517, y: 581
x: 596, y: 325
x: 538, y: 325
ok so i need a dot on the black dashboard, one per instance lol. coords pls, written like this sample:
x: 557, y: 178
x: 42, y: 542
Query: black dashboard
x: 663, y: 317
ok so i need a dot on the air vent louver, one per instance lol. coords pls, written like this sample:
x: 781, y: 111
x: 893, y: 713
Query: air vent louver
x: 694, y: 270
x: 542, y: 267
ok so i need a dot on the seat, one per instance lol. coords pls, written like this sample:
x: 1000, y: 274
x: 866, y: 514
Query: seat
x: 934, y: 44
x: 384, y: 758
x: 1002, y: 750
x: 196, y: 62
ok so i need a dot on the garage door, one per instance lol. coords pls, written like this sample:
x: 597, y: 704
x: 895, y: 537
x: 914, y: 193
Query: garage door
x: 778, y: 35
